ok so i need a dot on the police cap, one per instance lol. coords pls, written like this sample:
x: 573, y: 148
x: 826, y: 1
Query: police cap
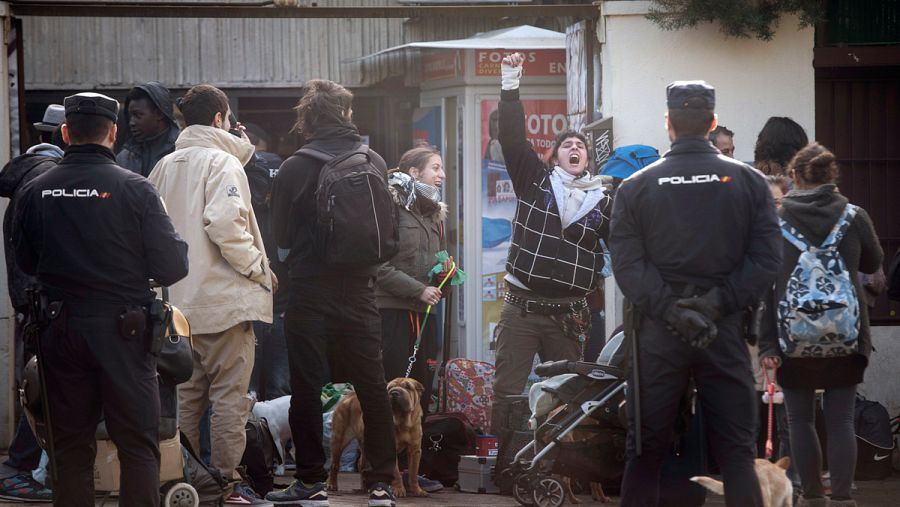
x: 690, y: 95
x: 92, y: 103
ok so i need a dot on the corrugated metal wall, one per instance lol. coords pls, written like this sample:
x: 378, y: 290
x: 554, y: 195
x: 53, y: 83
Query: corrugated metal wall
x: 81, y: 53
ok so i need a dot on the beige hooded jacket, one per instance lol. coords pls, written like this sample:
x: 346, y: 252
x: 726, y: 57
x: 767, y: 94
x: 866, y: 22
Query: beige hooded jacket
x: 207, y: 195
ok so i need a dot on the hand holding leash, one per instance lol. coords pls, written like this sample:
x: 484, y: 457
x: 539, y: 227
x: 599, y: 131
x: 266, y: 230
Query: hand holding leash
x: 420, y: 326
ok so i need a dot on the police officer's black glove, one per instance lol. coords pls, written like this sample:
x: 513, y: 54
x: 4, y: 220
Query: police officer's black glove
x: 693, y: 327
x: 709, y: 304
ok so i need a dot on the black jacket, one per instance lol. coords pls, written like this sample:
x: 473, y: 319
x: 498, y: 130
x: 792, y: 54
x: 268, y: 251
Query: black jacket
x: 813, y: 213
x: 549, y: 260
x: 261, y: 171
x: 90, y: 230
x: 141, y: 157
x: 294, y: 205
x: 694, y: 217
x: 15, y: 174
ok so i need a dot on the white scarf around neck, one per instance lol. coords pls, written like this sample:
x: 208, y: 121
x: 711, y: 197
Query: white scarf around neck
x: 575, y: 197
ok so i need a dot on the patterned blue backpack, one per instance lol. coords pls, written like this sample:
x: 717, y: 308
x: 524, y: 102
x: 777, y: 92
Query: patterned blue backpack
x: 819, y: 313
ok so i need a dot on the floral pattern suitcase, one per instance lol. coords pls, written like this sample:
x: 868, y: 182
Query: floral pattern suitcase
x: 469, y: 389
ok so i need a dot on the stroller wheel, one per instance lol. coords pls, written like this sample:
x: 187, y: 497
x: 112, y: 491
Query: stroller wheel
x: 548, y: 492
x: 182, y: 495
x: 522, y: 490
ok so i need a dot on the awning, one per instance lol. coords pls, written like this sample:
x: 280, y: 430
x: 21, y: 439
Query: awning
x: 518, y: 37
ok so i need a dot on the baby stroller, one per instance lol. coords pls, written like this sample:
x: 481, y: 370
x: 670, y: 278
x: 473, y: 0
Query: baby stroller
x: 595, y: 451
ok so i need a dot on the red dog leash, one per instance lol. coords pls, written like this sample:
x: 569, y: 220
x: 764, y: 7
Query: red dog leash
x: 770, y: 390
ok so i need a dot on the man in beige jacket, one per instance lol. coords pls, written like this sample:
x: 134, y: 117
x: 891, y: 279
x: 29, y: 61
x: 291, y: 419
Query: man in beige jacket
x: 230, y: 283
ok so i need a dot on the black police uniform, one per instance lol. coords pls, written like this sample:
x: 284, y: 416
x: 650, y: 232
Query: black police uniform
x: 693, y: 221
x: 94, y: 234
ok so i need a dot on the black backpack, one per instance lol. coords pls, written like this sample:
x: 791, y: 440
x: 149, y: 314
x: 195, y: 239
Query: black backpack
x: 445, y: 437
x: 356, y: 219
x: 259, y: 454
x: 874, y: 440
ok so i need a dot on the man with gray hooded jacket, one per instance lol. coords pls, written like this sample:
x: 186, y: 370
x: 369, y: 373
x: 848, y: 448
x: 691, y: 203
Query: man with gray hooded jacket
x: 230, y: 283
x: 151, y: 125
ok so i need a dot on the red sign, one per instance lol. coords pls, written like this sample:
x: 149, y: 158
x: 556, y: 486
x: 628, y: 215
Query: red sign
x: 542, y: 62
x: 544, y: 119
x: 440, y: 65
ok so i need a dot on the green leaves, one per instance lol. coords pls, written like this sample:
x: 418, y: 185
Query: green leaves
x: 738, y: 18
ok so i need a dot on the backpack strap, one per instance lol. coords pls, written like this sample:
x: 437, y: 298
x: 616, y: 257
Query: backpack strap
x: 324, y: 156
x: 321, y: 156
x: 840, y: 228
x: 794, y: 236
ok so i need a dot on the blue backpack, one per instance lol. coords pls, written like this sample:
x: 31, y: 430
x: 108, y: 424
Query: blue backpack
x: 627, y: 160
x: 819, y: 313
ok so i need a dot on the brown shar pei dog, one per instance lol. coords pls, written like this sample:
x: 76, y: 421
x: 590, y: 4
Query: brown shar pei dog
x: 347, y: 423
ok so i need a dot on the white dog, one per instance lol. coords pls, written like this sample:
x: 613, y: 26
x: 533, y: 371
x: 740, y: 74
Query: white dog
x: 275, y: 412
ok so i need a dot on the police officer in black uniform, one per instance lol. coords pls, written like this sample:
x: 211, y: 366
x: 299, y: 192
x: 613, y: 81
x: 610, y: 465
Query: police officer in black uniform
x: 94, y: 234
x: 694, y: 241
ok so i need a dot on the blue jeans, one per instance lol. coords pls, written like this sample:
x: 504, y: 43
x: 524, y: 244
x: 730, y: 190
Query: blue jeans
x: 24, y: 451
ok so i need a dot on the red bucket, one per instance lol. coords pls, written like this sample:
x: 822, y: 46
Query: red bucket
x: 486, y: 445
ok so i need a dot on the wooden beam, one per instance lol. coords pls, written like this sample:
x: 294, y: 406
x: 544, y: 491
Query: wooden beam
x: 266, y: 10
x: 856, y: 56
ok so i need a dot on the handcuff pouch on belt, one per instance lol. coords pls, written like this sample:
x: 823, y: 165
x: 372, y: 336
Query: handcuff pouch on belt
x: 133, y: 322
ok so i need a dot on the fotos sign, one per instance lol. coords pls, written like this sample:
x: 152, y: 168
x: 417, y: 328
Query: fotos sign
x: 540, y: 62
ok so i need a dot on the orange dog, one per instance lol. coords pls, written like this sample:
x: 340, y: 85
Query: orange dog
x: 348, y: 423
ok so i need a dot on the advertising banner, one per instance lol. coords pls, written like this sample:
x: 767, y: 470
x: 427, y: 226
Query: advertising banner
x: 438, y: 65
x: 539, y: 62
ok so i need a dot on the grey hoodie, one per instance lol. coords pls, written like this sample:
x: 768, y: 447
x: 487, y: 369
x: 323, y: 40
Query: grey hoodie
x: 813, y: 213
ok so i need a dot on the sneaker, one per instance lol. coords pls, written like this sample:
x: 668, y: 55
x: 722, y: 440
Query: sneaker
x: 299, y: 495
x: 427, y: 485
x: 381, y: 495
x: 24, y: 488
x: 244, y: 495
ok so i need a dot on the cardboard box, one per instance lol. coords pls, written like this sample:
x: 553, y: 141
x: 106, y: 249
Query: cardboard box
x: 106, y: 465
x: 476, y: 474
x: 171, y: 465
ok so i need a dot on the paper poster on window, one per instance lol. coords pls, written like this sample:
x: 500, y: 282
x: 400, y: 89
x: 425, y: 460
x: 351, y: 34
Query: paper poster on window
x: 544, y: 119
x: 427, y: 127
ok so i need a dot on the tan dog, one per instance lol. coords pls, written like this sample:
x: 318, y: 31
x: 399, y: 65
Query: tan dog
x: 579, y: 435
x: 597, y: 493
x: 347, y: 423
x: 777, y: 490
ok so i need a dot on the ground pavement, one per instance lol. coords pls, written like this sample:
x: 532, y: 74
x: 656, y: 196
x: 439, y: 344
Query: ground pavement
x: 869, y: 494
